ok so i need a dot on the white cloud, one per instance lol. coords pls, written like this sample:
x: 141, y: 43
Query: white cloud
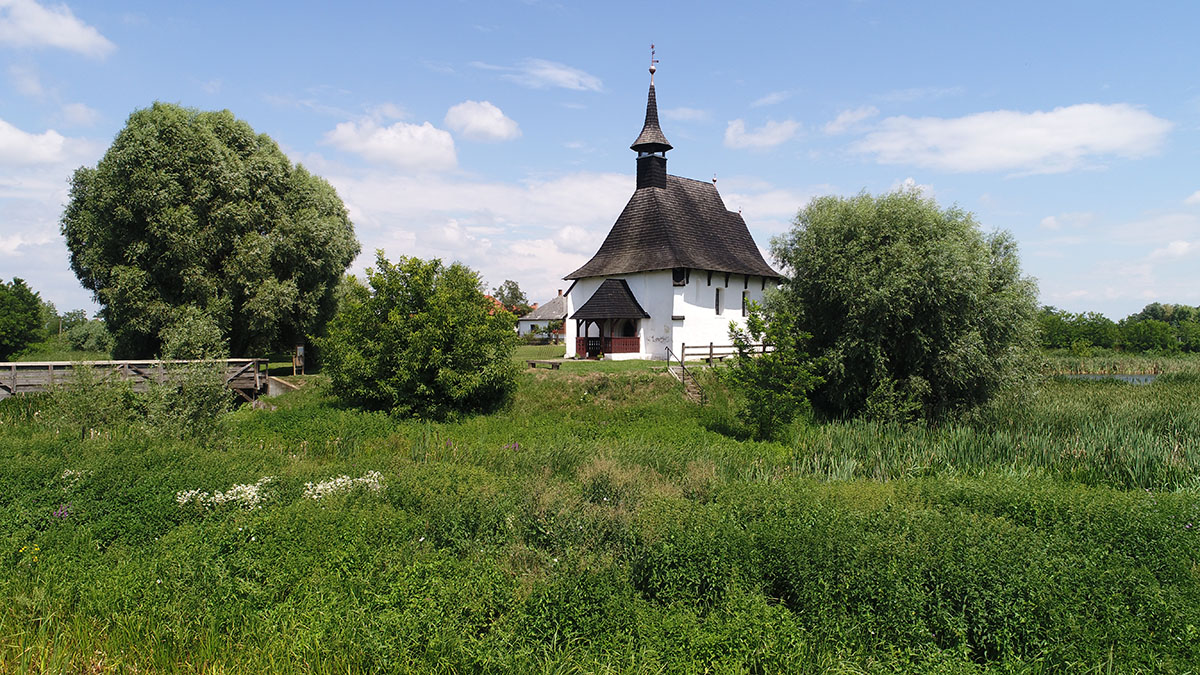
x: 79, y: 115
x: 541, y: 74
x: 22, y: 148
x: 768, y: 135
x: 212, y: 86
x: 409, y: 146
x: 1039, y: 142
x: 1193, y: 199
x: 1175, y: 249
x: 25, y: 23
x: 771, y: 99
x: 685, y: 114
x: 910, y: 183
x: 534, y: 231
x: 848, y: 118
x: 481, y: 121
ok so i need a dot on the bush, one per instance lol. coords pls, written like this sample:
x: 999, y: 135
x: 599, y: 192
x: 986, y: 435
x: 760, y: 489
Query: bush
x: 424, y: 343
x: 773, y: 385
x: 89, y: 336
x: 911, y: 307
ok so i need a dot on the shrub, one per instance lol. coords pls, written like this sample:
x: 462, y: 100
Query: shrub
x: 773, y: 385
x: 89, y: 336
x: 20, y: 317
x: 907, y: 303
x: 424, y: 343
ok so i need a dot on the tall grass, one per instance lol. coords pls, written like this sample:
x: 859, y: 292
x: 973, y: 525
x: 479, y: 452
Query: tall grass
x: 601, y: 525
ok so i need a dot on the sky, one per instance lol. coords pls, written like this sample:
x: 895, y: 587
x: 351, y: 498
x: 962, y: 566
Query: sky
x: 497, y: 133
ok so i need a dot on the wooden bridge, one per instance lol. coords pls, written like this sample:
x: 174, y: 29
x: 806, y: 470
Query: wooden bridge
x: 246, y: 377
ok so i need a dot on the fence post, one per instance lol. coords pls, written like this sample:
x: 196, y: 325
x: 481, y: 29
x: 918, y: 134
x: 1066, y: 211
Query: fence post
x: 710, y: 353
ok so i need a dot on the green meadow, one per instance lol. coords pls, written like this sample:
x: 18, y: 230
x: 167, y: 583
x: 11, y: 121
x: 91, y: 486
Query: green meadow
x: 602, y: 523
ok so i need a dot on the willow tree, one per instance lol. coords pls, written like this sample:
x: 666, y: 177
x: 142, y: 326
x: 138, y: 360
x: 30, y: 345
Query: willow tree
x: 193, y: 210
x: 913, y: 311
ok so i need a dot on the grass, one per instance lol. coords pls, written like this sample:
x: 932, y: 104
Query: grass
x: 1106, y: 361
x: 603, y: 524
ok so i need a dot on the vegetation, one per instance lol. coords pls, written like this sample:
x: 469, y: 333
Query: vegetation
x: 772, y: 386
x: 20, y: 317
x: 512, y: 297
x: 191, y: 211
x: 1158, y: 328
x: 424, y: 342
x: 913, y: 311
x: 596, y: 525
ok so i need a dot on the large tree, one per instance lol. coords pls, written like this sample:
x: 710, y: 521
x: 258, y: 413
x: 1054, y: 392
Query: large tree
x: 20, y: 317
x: 194, y: 210
x: 913, y: 311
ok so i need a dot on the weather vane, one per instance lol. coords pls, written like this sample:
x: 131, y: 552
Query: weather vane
x: 652, y: 62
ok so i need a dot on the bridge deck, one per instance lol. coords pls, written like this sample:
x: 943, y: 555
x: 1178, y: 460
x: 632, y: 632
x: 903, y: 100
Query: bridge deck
x: 247, y: 377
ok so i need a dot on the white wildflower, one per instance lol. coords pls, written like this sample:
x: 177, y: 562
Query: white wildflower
x: 72, y: 477
x: 248, y: 496
x: 371, y: 480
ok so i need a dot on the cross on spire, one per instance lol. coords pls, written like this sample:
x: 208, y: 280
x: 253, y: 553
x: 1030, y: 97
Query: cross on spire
x: 652, y: 62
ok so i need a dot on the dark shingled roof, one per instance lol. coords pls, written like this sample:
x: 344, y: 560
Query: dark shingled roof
x: 551, y: 311
x: 613, y: 300
x: 651, y: 139
x: 683, y: 225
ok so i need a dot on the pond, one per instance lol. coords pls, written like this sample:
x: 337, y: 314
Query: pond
x: 1131, y: 378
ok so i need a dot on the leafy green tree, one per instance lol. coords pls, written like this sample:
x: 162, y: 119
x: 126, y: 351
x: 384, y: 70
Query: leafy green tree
x: 1148, y: 335
x: 911, y: 308
x: 424, y: 342
x: 194, y: 209
x: 1189, y: 335
x: 512, y: 297
x: 20, y: 317
x: 773, y: 385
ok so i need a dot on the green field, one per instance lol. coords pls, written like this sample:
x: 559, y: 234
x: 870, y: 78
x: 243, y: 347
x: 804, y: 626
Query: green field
x: 604, y: 524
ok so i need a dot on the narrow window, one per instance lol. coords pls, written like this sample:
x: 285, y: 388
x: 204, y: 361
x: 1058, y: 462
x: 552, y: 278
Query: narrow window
x: 710, y: 277
x: 745, y: 303
x: 718, y: 302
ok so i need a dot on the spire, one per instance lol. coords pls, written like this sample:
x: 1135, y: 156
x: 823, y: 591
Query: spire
x: 651, y: 139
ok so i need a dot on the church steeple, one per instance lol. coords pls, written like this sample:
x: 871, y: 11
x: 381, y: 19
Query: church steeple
x: 651, y: 145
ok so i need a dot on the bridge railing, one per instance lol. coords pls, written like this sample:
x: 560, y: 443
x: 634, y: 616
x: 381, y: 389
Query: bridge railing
x: 247, y: 377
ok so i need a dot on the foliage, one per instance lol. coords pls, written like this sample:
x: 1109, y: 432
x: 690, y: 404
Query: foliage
x: 1060, y: 329
x: 773, y: 385
x: 1148, y: 335
x: 20, y: 317
x: 89, y: 336
x: 425, y: 343
x: 512, y: 297
x: 193, y: 209
x: 617, y: 536
x: 911, y: 308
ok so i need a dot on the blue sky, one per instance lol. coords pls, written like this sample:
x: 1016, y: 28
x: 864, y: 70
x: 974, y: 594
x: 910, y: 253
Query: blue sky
x: 497, y: 133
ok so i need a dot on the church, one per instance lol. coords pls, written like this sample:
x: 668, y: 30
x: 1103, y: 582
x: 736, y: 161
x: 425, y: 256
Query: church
x: 675, y: 269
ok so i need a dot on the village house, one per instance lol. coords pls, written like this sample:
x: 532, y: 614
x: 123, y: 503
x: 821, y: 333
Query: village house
x: 543, y: 315
x: 675, y: 269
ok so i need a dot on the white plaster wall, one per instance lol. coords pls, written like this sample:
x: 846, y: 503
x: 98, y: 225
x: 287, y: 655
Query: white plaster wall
x: 662, y: 300
x: 526, y: 327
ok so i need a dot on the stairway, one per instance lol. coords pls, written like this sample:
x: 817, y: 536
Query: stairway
x: 691, y: 389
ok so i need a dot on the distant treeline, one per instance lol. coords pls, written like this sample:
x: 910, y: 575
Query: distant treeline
x: 1157, y: 328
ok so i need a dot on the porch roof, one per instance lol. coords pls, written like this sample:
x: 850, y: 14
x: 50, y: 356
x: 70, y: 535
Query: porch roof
x: 613, y: 300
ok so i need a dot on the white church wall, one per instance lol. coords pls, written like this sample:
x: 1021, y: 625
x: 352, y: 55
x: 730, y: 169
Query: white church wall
x: 662, y: 300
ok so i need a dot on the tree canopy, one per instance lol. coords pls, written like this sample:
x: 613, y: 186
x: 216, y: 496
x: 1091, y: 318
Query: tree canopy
x: 20, y: 317
x: 913, y: 311
x: 423, y: 341
x: 194, y: 210
x: 512, y: 297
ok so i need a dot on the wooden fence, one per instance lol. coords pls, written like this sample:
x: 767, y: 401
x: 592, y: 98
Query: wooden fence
x: 246, y: 377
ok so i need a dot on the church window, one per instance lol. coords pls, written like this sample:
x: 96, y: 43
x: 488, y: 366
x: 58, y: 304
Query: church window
x: 745, y: 303
x: 718, y: 303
